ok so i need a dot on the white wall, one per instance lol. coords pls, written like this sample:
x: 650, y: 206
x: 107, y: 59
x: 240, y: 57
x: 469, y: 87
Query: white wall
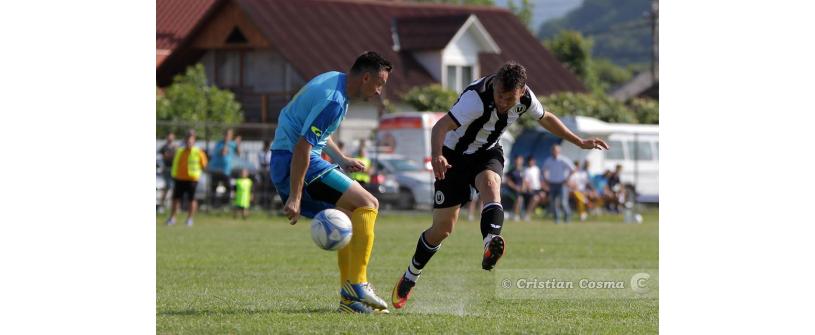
x: 464, y: 50
x: 431, y: 61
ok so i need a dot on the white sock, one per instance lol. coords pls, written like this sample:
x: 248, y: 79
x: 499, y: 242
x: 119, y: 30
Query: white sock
x: 488, y: 239
x: 413, y: 273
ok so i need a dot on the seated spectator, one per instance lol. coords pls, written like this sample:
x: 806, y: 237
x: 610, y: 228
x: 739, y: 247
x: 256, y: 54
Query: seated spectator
x: 577, y: 184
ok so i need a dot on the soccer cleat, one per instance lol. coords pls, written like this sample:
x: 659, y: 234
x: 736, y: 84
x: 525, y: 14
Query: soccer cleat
x: 189, y: 222
x: 170, y: 221
x: 363, y: 293
x: 350, y: 306
x: 401, y: 292
x: 493, y: 252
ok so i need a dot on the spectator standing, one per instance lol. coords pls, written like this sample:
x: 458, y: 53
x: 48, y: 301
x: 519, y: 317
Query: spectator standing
x: 243, y: 194
x: 532, y: 187
x: 515, y: 182
x: 188, y: 163
x: 265, y: 187
x: 167, y: 152
x: 221, y: 167
x: 363, y: 177
x: 557, y: 169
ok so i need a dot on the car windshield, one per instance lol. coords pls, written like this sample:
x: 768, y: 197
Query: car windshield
x: 403, y: 165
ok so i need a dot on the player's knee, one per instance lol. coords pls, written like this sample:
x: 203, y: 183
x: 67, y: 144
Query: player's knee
x: 373, y: 201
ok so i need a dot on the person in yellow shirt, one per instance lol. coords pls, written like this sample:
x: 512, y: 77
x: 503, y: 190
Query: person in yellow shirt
x: 363, y: 177
x: 243, y: 194
x: 187, y: 166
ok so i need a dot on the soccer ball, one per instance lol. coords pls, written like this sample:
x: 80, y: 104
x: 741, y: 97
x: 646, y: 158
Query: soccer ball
x: 331, y: 229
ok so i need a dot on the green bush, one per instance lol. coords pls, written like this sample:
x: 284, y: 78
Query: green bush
x: 430, y: 98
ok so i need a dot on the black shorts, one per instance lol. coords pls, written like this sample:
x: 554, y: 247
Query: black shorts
x: 454, y: 189
x: 184, y: 189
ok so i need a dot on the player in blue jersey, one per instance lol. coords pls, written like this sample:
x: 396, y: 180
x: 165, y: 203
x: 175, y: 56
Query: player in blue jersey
x: 308, y: 184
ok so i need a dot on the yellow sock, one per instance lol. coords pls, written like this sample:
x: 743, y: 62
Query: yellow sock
x: 344, y: 262
x: 362, y: 242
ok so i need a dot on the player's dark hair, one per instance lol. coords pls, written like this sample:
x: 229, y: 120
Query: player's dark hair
x: 511, y: 76
x: 370, y: 61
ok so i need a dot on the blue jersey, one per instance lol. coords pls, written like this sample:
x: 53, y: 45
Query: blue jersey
x: 314, y: 113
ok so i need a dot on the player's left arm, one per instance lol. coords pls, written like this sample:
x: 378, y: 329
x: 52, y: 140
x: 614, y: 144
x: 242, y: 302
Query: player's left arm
x: 554, y: 125
x: 347, y: 163
x: 551, y: 122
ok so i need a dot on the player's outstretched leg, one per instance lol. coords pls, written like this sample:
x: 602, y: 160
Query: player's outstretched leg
x: 492, y: 218
x: 429, y: 242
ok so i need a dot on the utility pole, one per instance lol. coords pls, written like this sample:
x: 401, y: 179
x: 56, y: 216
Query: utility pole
x: 654, y: 38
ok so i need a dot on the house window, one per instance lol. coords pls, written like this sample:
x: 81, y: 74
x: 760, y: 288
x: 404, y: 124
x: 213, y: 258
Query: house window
x: 228, y: 68
x: 451, y: 77
x: 458, y: 77
x: 466, y: 76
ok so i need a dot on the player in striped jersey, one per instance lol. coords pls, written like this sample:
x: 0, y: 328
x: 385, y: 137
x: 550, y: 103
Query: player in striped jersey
x: 465, y: 153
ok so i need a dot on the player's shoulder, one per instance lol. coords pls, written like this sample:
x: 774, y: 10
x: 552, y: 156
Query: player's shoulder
x: 528, y: 97
x: 477, y: 93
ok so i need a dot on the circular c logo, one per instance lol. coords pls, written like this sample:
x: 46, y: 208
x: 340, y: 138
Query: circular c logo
x: 439, y: 197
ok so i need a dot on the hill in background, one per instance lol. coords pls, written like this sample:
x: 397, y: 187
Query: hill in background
x: 620, y: 28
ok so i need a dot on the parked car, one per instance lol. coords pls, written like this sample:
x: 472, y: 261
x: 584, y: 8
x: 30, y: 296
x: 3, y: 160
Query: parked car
x: 400, y: 182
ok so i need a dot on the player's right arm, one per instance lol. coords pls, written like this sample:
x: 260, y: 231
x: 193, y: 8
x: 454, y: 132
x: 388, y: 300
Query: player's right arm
x: 438, y: 161
x: 314, y: 130
x: 467, y: 108
x: 299, y: 165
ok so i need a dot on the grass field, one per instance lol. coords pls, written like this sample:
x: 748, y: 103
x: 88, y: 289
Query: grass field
x: 265, y: 276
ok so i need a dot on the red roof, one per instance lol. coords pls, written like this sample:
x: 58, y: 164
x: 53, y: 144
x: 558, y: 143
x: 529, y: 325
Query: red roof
x: 175, y: 19
x: 428, y: 33
x: 322, y: 35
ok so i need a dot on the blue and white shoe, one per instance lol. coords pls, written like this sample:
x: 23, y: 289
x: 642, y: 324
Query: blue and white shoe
x: 350, y: 306
x: 364, y: 293
x: 170, y: 221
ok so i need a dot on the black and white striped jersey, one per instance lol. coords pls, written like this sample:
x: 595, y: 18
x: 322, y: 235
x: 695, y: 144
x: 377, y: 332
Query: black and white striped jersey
x: 479, y: 123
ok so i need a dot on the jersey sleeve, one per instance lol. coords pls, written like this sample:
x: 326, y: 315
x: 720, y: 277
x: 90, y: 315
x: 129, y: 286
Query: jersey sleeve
x: 467, y: 108
x: 536, y: 108
x: 313, y: 131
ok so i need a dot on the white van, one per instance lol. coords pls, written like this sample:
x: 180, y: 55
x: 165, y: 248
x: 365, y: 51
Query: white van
x: 634, y: 146
x: 408, y: 134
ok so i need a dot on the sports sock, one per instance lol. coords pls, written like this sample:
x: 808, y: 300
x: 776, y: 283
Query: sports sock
x: 344, y: 262
x: 492, y: 219
x: 424, y: 251
x: 362, y: 242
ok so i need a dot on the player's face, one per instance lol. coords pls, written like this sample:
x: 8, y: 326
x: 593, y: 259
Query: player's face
x: 504, y: 100
x: 372, y: 85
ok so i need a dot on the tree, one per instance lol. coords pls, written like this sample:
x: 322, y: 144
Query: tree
x: 524, y: 13
x: 574, y: 51
x: 609, y: 75
x: 430, y: 98
x: 646, y: 110
x: 190, y: 100
x: 593, y: 105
